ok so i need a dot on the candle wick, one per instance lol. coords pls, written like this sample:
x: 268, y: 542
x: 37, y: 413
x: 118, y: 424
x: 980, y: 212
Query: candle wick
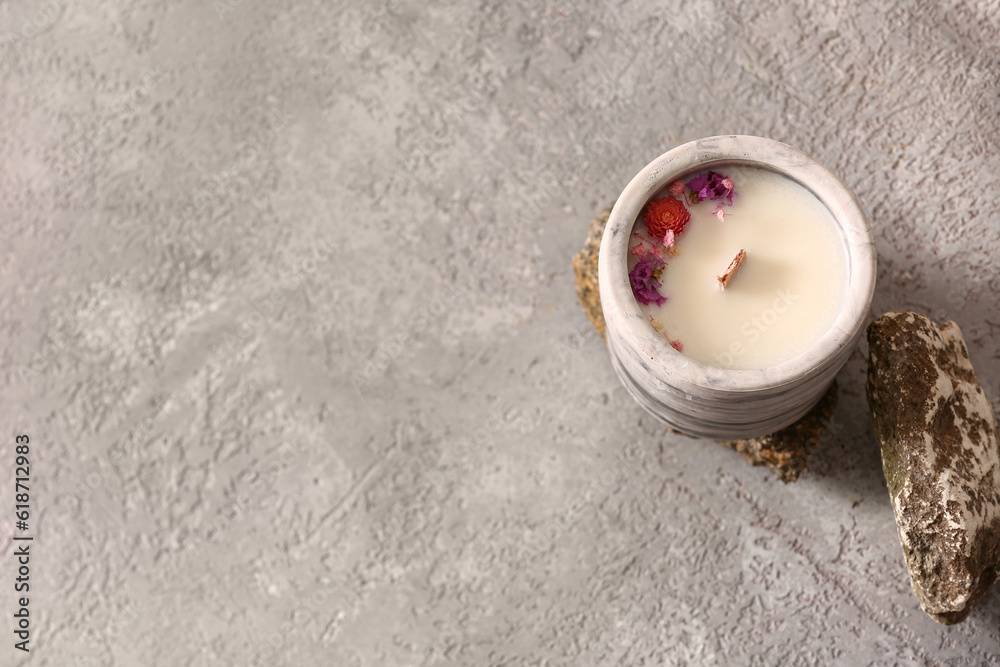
x: 731, y: 270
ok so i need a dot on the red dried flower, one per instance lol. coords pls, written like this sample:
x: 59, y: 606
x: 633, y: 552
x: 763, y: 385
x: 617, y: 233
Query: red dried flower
x: 677, y: 345
x: 665, y: 214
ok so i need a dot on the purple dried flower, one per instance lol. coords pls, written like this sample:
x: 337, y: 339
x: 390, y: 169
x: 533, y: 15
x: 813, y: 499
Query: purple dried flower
x: 712, y: 186
x: 644, y: 285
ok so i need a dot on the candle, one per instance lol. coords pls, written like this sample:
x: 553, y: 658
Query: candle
x: 752, y: 358
x: 781, y: 296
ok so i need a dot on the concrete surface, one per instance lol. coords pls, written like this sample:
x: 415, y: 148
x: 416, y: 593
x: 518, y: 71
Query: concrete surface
x: 289, y: 319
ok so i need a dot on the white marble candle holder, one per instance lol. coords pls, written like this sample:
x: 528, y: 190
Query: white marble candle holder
x: 714, y: 402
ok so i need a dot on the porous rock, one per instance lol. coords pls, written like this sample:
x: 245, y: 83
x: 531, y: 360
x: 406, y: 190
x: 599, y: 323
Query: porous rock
x: 585, y: 267
x: 785, y: 452
x: 941, y: 456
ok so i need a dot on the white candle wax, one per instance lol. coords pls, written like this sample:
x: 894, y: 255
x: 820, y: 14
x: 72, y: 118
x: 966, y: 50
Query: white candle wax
x: 785, y: 295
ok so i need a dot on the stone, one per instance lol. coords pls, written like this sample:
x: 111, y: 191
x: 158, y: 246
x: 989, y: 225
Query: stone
x: 585, y: 267
x: 785, y: 452
x: 941, y: 457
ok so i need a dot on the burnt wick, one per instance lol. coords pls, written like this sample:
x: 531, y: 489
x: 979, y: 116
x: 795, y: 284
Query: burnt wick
x: 731, y: 270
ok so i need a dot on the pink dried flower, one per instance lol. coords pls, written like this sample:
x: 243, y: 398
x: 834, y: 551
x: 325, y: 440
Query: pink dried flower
x: 669, y: 239
x: 677, y: 188
x: 644, y: 285
x: 677, y: 345
x: 643, y: 238
x: 719, y: 213
x: 638, y: 250
x: 712, y: 186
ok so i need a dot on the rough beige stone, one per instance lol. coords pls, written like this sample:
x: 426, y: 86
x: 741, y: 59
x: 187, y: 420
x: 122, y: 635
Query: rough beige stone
x: 787, y: 451
x: 585, y: 267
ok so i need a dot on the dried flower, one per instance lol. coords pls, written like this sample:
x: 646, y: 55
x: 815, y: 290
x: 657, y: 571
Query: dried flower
x: 677, y: 345
x: 669, y: 239
x: 644, y: 284
x: 640, y: 250
x: 712, y: 186
x: 719, y: 213
x: 677, y: 188
x: 666, y: 214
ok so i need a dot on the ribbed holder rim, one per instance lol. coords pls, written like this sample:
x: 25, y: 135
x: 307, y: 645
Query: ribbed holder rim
x: 714, y: 402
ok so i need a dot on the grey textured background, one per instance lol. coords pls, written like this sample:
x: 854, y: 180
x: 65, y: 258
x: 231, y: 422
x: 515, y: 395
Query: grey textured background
x: 289, y: 317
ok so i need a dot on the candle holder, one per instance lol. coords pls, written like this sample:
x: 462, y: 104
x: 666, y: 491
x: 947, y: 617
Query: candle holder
x: 704, y: 400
